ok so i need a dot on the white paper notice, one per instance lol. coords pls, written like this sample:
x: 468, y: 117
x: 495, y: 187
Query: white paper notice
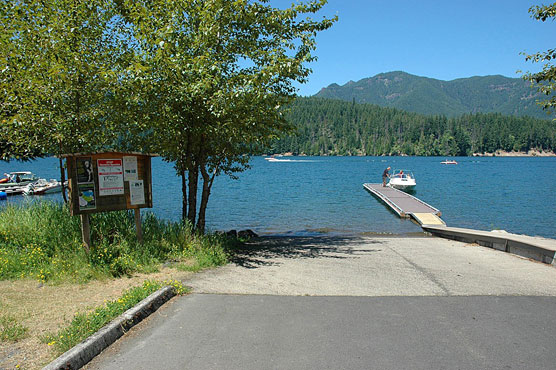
x: 136, y: 192
x: 130, y: 168
x: 110, y: 177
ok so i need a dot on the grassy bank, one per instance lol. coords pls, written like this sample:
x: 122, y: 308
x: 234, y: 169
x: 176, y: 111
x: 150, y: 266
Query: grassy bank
x: 42, y: 241
x: 54, y: 294
x: 85, y: 324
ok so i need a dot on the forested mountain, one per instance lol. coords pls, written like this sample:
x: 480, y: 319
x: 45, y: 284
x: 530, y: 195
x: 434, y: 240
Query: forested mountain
x: 335, y: 127
x: 509, y: 96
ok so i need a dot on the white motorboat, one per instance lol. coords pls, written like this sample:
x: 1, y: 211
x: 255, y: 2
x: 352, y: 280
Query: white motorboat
x: 402, y: 180
x: 278, y: 160
x: 43, y: 186
x: 451, y: 161
x: 17, y: 179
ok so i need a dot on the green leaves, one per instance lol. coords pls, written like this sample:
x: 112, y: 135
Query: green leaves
x: 543, y: 12
x: 215, y: 72
x: 544, y: 81
x: 60, y: 70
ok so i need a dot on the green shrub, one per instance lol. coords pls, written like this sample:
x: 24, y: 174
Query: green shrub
x: 41, y: 240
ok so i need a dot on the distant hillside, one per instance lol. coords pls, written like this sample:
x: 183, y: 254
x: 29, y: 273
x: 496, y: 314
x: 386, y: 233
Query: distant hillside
x: 509, y: 96
x: 336, y: 127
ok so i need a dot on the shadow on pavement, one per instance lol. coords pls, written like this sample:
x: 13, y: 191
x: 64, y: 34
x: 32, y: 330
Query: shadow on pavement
x: 262, y: 251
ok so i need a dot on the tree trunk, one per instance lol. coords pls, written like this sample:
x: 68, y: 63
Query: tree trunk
x: 193, y: 175
x: 184, y: 196
x: 207, y: 185
x: 63, y: 180
x: 62, y: 172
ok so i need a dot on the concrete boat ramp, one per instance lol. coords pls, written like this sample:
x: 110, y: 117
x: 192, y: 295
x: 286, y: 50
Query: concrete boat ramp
x: 428, y: 217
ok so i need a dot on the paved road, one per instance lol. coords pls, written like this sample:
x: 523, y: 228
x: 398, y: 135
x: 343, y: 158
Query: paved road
x: 354, y: 303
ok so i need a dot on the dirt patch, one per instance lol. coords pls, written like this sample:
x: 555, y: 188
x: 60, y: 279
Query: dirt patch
x: 47, y: 308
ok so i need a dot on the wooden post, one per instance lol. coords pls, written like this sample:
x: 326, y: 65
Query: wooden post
x: 86, y: 232
x: 138, y: 225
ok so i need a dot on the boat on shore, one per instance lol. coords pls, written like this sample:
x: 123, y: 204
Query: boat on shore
x: 449, y: 161
x: 402, y: 180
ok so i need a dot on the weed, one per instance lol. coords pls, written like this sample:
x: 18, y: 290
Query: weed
x: 11, y: 330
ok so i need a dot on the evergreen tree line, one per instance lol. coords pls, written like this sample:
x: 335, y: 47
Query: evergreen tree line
x: 334, y: 127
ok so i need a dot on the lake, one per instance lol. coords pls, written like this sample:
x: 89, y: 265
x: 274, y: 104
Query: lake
x: 312, y: 195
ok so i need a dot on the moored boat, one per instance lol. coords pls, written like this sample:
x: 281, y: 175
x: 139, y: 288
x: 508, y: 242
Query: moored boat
x: 402, y: 180
x: 17, y: 179
x: 43, y: 186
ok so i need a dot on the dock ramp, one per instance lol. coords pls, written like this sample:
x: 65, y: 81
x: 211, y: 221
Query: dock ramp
x: 406, y: 205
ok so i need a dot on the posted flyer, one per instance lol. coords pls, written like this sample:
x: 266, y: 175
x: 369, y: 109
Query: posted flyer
x: 136, y: 192
x: 130, y: 168
x: 86, y: 196
x: 110, y: 177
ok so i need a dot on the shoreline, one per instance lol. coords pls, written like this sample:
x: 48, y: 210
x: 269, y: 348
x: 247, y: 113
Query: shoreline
x: 498, y: 153
x: 502, y: 153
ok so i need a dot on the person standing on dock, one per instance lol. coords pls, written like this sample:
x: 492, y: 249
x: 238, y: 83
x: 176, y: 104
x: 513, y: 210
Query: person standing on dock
x: 385, y: 175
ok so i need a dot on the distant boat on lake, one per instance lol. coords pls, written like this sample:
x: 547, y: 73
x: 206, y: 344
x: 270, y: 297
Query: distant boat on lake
x: 272, y: 159
x: 277, y: 158
x: 451, y: 161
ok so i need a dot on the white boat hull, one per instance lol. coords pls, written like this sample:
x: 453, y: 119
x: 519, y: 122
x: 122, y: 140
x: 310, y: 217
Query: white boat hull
x: 278, y: 160
x: 403, y: 186
x: 404, y: 183
x: 43, y: 187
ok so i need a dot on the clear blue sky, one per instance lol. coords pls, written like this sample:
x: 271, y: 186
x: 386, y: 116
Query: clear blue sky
x: 442, y: 39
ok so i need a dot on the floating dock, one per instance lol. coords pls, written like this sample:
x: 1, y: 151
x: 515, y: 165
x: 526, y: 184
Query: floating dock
x: 13, y: 190
x: 406, y: 205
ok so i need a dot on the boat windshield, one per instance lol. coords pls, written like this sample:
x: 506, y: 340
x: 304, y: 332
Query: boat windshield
x: 404, y: 174
x: 24, y: 176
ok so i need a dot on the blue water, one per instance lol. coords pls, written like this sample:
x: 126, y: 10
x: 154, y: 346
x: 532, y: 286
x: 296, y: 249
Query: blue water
x: 325, y: 194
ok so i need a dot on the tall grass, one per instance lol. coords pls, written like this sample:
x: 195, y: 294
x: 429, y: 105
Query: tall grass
x: 41, y: 240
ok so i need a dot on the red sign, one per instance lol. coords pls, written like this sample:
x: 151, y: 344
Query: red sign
x: 110, y: 177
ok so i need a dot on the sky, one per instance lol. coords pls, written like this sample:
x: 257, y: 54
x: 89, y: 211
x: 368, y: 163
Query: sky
x: 442, y: 39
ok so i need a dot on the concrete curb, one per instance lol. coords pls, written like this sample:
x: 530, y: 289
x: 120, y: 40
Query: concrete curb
x: 539, y: 249
x: 85, y: 351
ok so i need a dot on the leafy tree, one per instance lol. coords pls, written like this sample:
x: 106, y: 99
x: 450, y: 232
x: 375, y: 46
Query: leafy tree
x: 213, y: 75
x: 545, y: 80
x: 57, y: 74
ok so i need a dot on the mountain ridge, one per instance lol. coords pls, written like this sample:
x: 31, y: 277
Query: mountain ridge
x: 476, y: 94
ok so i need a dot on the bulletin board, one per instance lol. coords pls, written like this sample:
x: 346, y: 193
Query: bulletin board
x: 108, y: 181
